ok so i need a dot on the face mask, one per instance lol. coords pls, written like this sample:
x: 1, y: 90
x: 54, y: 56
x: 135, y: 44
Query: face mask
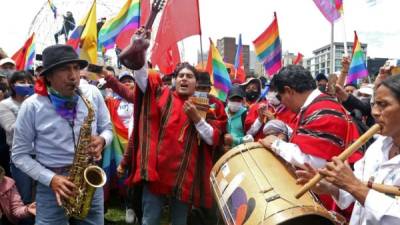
x: 234, y: 106
x: 24, y: 89
x: 7, y: 73
x: 200, y: 94
x: 365, y: 99
x: 322, y: 88
x: 173, y: 83
x: 252, y: 95
x: 271, y: 98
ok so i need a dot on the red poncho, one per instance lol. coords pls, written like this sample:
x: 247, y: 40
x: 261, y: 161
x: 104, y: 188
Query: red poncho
x: 169, y: 154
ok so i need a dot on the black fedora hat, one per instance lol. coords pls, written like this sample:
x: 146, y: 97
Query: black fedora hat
x: 58, y: 55
x: 203, y: 79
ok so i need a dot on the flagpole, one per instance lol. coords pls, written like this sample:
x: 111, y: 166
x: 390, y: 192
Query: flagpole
x: 36, y: 16
x: 235, y: 73
x: 201, y: 52
x: 332, y: 50
x: 201, y: 42
x: 183, y: 51
x: 344, y: 35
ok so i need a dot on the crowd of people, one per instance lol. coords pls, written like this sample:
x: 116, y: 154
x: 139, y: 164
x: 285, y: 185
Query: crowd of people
x: 170, y: 142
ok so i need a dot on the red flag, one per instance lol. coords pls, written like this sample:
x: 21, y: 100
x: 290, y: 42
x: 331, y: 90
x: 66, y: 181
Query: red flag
x: 298, y: 58
x: 144, y: 11
x: 20, y: 56
x: 124, y: 38
x: 180, y: 19
x: 170, y: 59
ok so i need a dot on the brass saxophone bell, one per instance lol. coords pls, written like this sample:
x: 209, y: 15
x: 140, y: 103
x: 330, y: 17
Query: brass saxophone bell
x: 95, y: 176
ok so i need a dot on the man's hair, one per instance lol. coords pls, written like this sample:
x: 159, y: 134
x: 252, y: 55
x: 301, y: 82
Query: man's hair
x: 320, y: 77
x: 186, y: 65
x: 295, y: 77
x: 2, y: 173
x: 166, y: 78
x: 17, y: 76
x: 351, y: 84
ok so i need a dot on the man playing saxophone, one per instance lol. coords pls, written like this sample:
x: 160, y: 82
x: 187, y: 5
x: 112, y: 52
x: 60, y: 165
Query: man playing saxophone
x: 49, y: 126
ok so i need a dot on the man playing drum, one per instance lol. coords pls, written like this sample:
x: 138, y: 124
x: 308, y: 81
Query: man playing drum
x: 322, y: 128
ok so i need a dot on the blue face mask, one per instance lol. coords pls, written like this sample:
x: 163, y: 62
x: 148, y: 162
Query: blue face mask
x: 24, y: 89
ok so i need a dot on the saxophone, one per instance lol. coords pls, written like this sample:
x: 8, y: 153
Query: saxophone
x: 84, y: 173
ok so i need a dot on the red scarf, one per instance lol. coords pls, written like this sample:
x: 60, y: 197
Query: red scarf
x: 40, y: 87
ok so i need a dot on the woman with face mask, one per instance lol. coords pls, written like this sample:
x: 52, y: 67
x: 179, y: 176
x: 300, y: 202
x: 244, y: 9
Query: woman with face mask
x: 252, y: 89
x: 21, y: 87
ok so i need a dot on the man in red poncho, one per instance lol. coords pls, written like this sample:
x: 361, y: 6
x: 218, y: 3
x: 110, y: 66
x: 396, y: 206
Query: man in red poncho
x: 173, y: 145
x: 322, y: 128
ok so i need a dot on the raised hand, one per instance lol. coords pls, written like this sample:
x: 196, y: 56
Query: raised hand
x: 262, y: 112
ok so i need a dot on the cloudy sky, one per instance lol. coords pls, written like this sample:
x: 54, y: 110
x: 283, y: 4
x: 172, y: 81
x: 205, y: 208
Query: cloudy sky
x: 302, y: 27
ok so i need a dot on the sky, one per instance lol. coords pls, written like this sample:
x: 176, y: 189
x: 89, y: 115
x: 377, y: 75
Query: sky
x: 301, y: 25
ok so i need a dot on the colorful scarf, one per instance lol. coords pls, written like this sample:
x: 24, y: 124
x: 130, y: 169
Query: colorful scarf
x: 64, y: 106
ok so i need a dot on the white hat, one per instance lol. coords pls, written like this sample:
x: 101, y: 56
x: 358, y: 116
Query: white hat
x: 366, y: 90
x: 125, y: 74
x: 7, y: 60
x: 276, y: 126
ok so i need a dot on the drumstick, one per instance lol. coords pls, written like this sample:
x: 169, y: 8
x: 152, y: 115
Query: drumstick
x: 343, y: 156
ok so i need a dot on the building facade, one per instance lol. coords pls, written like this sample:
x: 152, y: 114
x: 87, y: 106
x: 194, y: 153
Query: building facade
x: 227, y: 48
x: 321, y: 61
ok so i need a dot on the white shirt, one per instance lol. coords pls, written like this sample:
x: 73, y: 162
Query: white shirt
x: 125, y: 112
x: 255, y: 127
x: 291, y: 152
x: 8, y: 114
x: 378, y: 208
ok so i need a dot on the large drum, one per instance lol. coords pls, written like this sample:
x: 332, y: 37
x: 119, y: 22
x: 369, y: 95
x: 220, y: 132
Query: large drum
x: 253, y: 186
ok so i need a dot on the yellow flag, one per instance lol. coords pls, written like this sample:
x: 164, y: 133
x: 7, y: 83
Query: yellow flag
x: 88, y: 45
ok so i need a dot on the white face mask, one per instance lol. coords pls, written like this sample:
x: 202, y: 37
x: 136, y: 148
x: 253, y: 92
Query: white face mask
x: 234, y: 106
x: 173, y: 83
x: 200, y: 94
x: 272, y: 99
